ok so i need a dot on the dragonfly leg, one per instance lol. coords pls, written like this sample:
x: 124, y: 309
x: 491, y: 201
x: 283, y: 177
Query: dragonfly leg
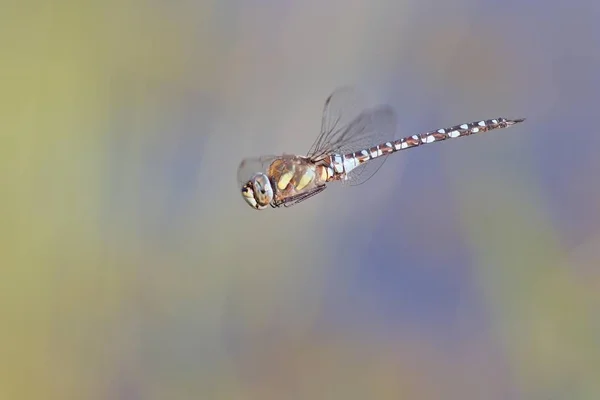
x: 293, y: 200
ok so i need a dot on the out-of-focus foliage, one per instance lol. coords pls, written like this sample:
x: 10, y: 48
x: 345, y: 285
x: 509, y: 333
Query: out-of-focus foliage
x: 130, y: 267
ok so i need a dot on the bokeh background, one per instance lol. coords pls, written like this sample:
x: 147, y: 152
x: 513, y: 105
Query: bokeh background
x: 131, y: 268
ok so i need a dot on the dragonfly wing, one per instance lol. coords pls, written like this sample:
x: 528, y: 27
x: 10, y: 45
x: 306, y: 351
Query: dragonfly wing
x: 348, y: 126
x: 372, y: 127
x: 342, y: 107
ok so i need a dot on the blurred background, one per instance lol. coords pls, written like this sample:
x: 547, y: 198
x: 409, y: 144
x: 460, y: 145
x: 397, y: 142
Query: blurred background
x: 131, y: 268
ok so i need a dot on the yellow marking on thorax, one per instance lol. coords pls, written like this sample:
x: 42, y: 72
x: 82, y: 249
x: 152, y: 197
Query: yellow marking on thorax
x: 291, y: 177
x: 324, y: 173
x: 307, y: 177
x: 285, y: 179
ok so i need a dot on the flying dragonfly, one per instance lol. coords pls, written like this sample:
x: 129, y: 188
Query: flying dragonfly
x: 352, y: 146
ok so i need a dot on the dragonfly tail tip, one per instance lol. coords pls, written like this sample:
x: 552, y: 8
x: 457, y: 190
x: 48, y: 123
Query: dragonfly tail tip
x: 511, y: 122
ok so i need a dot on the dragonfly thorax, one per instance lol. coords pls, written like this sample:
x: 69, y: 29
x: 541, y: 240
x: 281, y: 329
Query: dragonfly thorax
x: 258, y: 191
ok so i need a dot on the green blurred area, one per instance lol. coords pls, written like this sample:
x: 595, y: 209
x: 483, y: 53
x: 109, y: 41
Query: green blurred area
x: 93, y: 305
x: 65, y: 287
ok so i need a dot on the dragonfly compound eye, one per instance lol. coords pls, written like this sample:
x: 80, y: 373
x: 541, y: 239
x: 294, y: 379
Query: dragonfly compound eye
x: 258, y: 192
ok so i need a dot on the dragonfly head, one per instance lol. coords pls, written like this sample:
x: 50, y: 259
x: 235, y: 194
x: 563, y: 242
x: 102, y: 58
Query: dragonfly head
x: 258, y: 192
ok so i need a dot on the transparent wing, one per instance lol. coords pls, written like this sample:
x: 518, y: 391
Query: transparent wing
x: 252, y: 165
x: 348, y: 126
x: 342, y: 107
x: 372, y: 127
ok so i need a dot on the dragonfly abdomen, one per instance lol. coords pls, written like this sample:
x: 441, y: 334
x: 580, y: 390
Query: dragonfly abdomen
x: 353, y: 160
x: 454, y: 132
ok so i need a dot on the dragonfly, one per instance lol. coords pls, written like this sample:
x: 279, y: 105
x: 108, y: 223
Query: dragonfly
x: 352, y: 146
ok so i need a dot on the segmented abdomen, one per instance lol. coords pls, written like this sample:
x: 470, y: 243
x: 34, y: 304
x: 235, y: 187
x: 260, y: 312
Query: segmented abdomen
x: 353, y: 160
